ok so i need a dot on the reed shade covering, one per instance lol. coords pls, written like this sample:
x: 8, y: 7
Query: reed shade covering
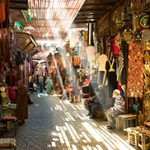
x: 52, y: 18
x: 2, y: 11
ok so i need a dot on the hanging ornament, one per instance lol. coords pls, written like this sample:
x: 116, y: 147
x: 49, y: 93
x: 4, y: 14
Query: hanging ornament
x: 2, y: 11
x: 144, y: 21
x: 18, y: 25
x: 138, y: 35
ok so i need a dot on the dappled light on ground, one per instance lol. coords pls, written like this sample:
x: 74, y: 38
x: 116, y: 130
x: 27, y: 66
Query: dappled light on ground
x: 94, y: 136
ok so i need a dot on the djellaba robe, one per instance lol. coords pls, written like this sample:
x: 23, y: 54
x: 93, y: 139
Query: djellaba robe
x: 22, y: 103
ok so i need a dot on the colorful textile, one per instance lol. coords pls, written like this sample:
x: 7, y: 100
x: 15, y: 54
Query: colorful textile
x: 115, y: 46
x: 135, y: 71
x: 76, y: 61
x: 91, y: 53
x: 11, y: 93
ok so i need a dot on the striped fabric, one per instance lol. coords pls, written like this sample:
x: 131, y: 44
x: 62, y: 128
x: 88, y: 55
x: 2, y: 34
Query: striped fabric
x: 119, y: 104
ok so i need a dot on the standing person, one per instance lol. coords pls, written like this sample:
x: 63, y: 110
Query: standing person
x: 117, y: 109
x: 35, y: 87
x: 31, y: 83
x: 41, y: 83
x: 48, y: 85
x: 22, y: 103
x: 44, y: 83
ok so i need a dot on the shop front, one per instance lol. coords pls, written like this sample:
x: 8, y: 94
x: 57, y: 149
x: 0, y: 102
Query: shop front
x: 125, y: 44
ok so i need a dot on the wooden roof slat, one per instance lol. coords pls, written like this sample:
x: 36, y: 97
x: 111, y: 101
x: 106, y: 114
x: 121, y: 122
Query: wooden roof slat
x: 19, y: 1
x: 92, y: 10
x: 99, y: 1
x: 88, y: 17
x: 19, y: 8
x: 89, y: 13
x: 84, y: 21
x: 19, y: 4
x: 97, y: 5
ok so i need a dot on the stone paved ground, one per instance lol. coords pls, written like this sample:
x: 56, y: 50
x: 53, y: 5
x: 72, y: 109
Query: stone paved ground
x: 55, y: 124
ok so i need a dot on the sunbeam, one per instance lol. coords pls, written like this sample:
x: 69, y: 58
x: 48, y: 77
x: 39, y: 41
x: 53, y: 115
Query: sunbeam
x: 93, y: 132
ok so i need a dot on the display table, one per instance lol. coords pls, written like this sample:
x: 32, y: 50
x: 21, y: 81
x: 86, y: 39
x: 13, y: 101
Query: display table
x: 139, y: 136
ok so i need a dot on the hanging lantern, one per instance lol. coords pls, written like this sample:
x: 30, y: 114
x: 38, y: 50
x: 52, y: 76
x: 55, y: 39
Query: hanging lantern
x: 127, y: 34
x: 2, y: 11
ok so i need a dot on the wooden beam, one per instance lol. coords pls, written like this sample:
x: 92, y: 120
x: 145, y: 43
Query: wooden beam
x: 99, y: 3
x: 17, y: 5
x: 83, y: 21
x: 88, y: 17
x: 19, y: 1
x: 90, y: 13
x: 100, y: 7
x: 81, y: 25
x: 93, y: 10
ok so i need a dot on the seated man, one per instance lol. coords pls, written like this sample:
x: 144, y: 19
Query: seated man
x: 117, y: 109
x: 87, y: 89
x: 97, y: 102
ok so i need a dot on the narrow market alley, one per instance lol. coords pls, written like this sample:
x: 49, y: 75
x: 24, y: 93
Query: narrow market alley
x: 74, y: 74
x: 55, y: 124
